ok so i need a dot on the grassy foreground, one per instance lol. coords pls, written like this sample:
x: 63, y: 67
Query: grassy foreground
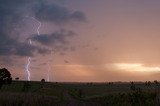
x: 22, y: 93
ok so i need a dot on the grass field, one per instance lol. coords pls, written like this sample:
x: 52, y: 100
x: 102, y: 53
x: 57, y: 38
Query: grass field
x: 22, y: 93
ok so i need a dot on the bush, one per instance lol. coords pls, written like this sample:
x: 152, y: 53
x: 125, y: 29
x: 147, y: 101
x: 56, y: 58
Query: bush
x: 5, y: 77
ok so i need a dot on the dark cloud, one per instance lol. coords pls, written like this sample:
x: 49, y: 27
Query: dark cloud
x: 12, y: 12
x: 10, y: 18
x: 66, y: 61
x: 57, y: 14
x: 41, y: 64
x: 54, y: 38
x: 10, y: 46
x: 62, y: 54
x: 58, y: 40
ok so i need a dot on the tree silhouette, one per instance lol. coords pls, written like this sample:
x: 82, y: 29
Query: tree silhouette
x: 156, y: 82
x: 5, y: 77
x: 17, y: 78
x: 42, y: 80
x: 132, y: 87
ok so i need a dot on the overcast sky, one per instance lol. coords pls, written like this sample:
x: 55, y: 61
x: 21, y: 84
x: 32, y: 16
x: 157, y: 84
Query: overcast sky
x: 81, y: 40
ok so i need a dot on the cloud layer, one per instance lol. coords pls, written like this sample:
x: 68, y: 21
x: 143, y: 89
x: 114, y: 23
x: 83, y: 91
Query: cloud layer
x: 54, y: 39
x: 12, y: 12
x: 57, y: 14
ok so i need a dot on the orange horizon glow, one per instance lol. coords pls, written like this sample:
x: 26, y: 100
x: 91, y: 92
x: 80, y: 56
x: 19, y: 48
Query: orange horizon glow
x: 138, y: 67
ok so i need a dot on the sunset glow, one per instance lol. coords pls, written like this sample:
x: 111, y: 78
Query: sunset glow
x: 136, y: 67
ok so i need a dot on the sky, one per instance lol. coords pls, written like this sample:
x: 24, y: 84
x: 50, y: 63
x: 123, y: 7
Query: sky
x: 81, y: 40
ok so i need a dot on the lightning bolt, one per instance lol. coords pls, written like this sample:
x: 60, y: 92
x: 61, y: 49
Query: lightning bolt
x: 28, y: 64
x: 49, y: 67
x: 30, y: 42
x: 39, y: 26
x: 29, y: 58
x: 27, y: 69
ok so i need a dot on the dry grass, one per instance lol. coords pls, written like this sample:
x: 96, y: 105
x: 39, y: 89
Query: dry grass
x: 26, y: 99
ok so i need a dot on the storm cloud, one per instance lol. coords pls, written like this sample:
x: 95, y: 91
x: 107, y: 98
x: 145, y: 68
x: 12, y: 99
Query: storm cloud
x: 57, y: 14
x: 10, y: 46
x: 58, y: 37
x: 12, y: 12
